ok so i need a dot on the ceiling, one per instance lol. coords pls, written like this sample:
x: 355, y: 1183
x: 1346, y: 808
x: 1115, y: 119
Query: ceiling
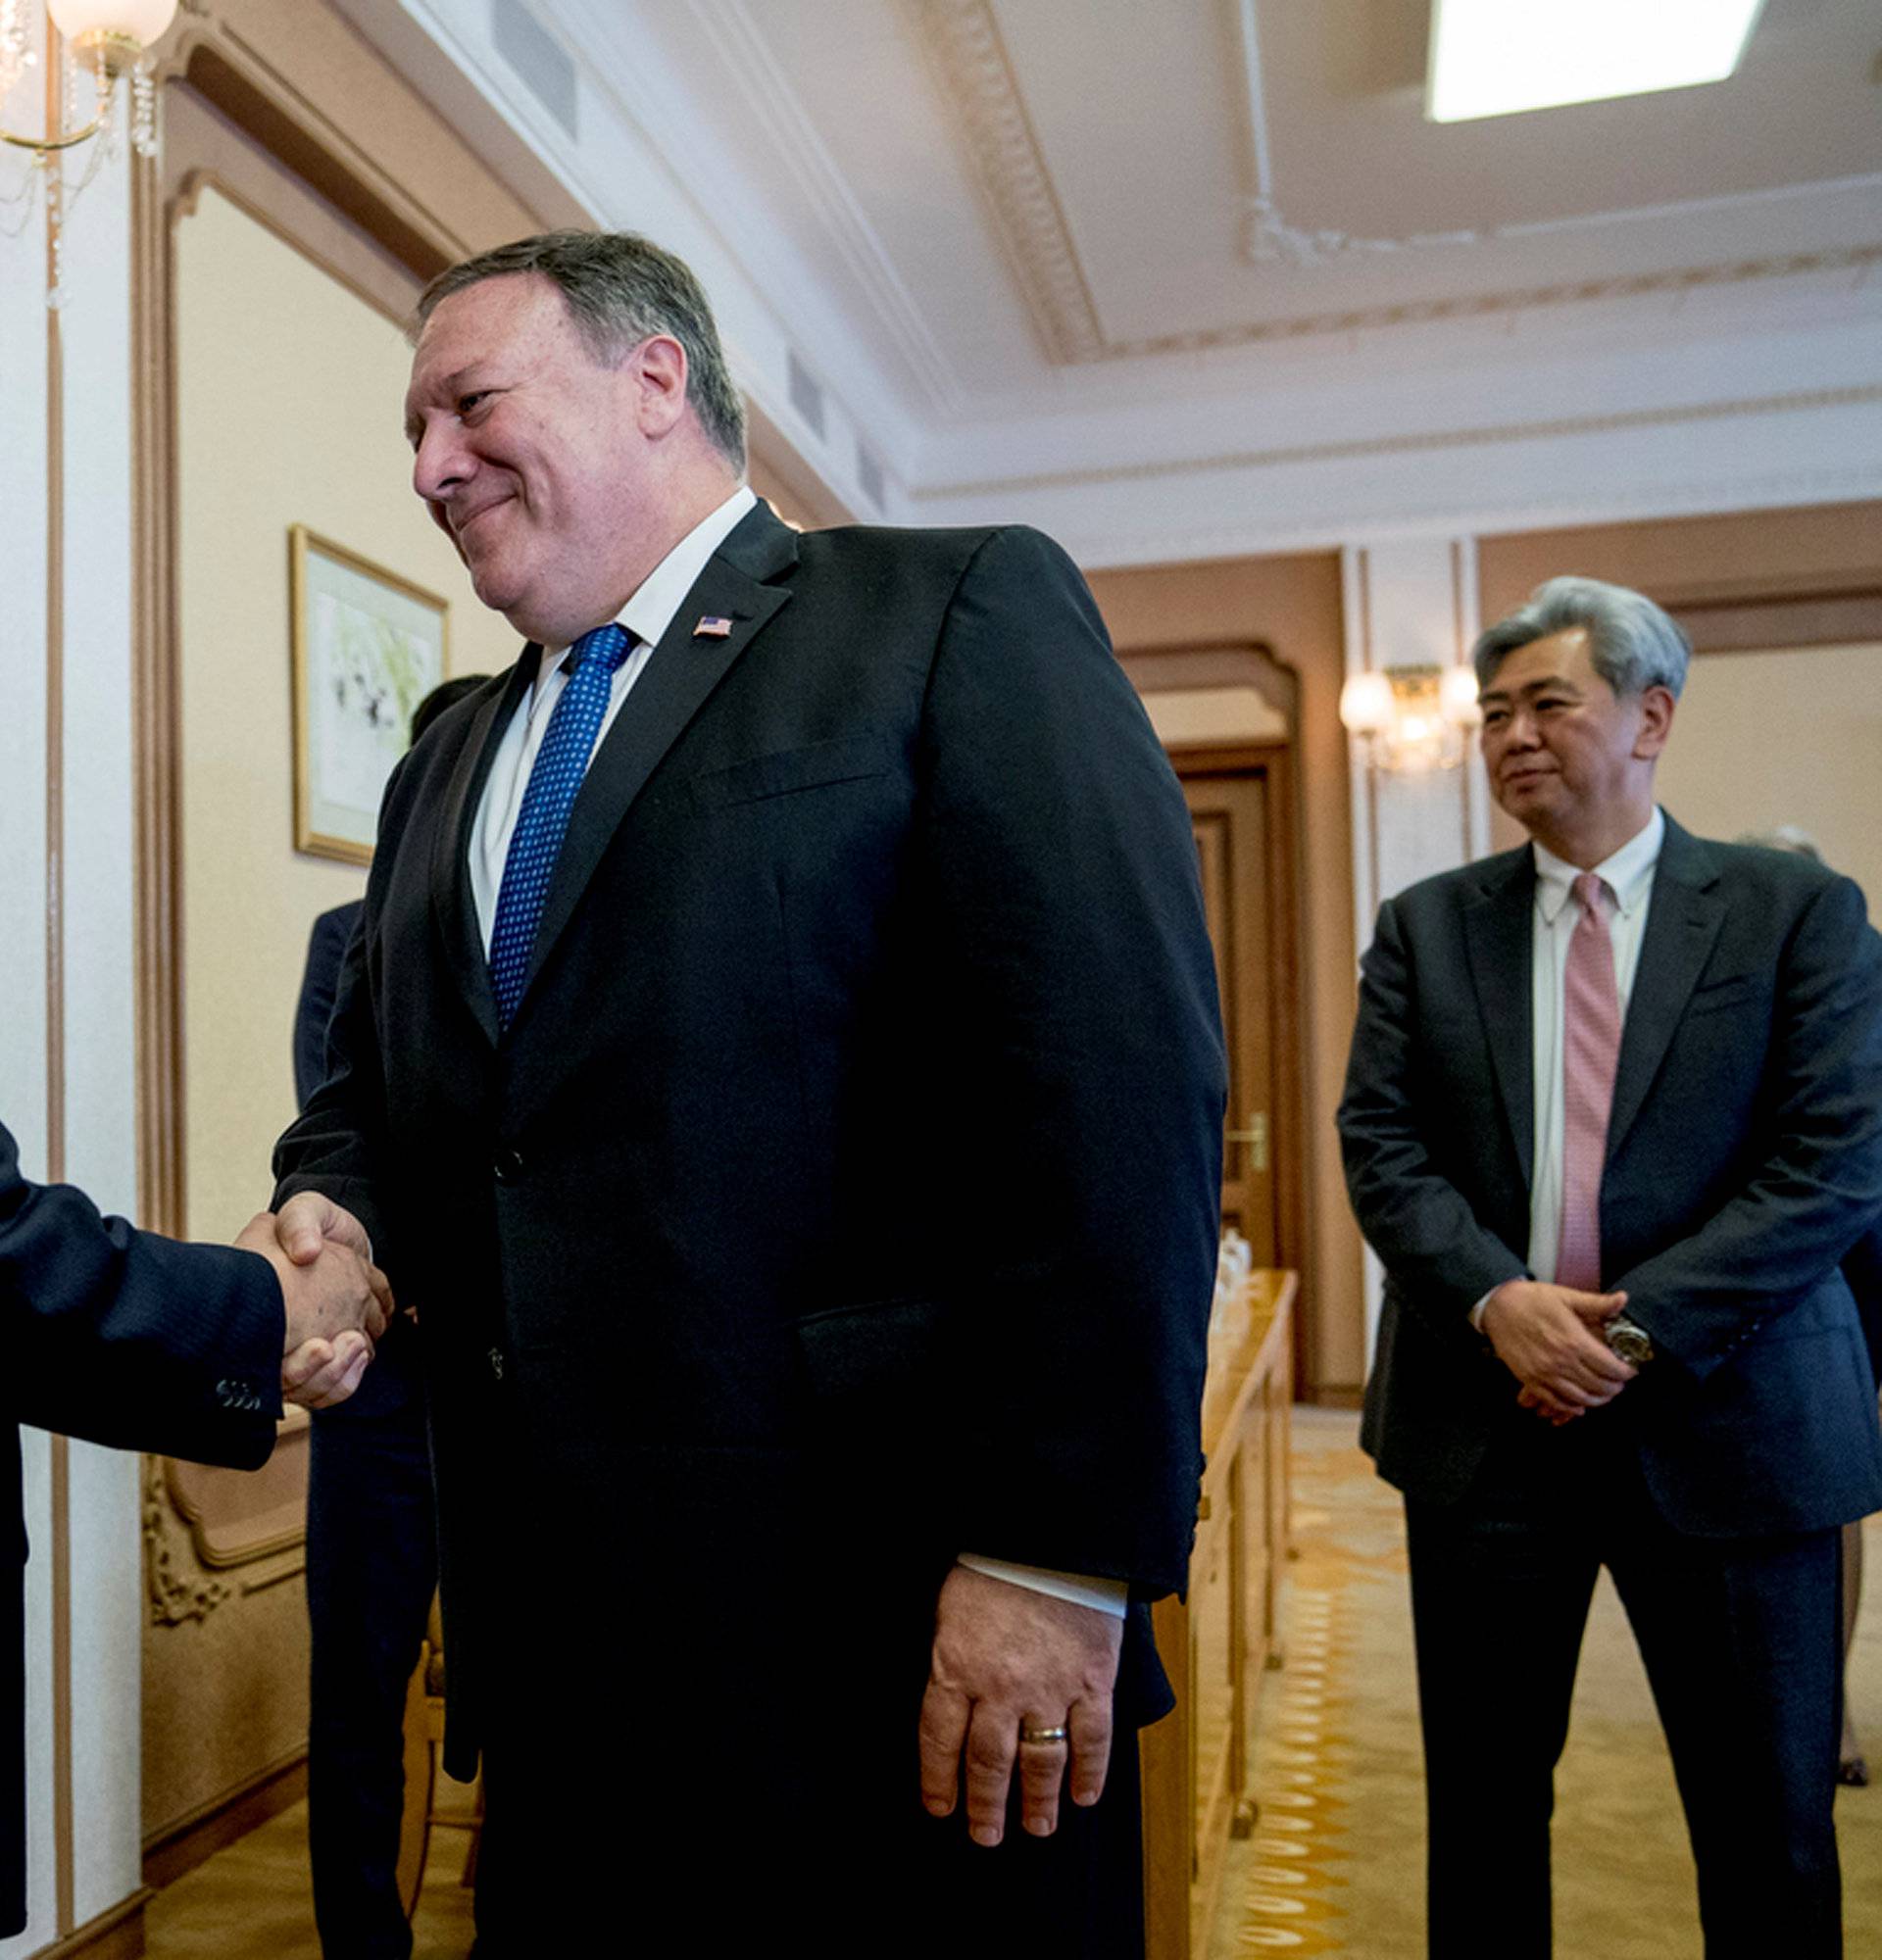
x: 973, y: 250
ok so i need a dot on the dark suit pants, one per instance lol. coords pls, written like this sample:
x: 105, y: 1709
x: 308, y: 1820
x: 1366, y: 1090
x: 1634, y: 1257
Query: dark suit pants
x: 663, y: 1802
x: 372, y: 1569
x: 1740, y: 1642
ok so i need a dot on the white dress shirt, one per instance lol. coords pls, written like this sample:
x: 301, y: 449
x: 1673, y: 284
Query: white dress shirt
x: 1630, y: 875
x: 646, y: 617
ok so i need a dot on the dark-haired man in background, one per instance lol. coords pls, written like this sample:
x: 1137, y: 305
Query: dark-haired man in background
x: 1614, y: 1115
x: 371, y: 1555
x: 781, y: 1056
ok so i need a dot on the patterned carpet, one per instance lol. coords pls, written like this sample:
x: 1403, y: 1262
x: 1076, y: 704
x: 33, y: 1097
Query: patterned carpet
x: 1336, y: 1862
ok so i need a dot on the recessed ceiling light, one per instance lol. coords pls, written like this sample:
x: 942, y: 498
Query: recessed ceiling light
x: 1499, y: 57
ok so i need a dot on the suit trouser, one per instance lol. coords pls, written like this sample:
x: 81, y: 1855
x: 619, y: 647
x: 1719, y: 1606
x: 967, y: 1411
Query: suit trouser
x: 1740, y: 1642
x: 670, y: 1774
x: 372, y: 1569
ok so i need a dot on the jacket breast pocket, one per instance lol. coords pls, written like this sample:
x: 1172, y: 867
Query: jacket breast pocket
x: 789, y: 771
x: 1731, y: 992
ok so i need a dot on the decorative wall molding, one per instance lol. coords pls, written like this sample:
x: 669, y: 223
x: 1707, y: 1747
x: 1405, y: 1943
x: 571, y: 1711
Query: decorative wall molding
x: 1423, y: 441
x: 178, y: 1593
x: 970, y: 60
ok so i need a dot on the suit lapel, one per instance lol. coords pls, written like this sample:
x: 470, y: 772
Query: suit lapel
x: 1683, y: 918
x: 680, y: 675
x: 1500, y: 942
x: 452, y: 898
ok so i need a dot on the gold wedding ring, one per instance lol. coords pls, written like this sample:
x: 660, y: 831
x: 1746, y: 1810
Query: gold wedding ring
x: 1058, y: 1734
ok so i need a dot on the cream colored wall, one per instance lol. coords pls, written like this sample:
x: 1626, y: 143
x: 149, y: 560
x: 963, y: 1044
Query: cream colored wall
x: 288, y: 410
x: 289, y: 392
x: 1792, y: 736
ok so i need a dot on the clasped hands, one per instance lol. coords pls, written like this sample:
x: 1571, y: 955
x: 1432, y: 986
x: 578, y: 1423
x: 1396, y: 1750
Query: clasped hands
x: 1549, y: 1337
x: 337, y: 1300
x: 1006, y: 1658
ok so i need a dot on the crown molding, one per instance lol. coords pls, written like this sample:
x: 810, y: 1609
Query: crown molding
x: 777, y: 110
x: 976, y: 75
x: 1420, y: 441
x: 969, y: 60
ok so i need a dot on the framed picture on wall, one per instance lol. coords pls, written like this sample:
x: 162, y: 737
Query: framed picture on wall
x: 369, y: 646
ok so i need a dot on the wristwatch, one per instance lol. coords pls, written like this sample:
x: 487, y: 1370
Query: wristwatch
x: 1629, y: 1340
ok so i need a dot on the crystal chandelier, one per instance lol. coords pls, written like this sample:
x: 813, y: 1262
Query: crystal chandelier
x: 99, y: 42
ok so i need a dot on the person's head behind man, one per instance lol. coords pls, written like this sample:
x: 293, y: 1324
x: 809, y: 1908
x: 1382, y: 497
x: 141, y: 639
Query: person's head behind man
x: 1577, y: 690
x: 571, y: 419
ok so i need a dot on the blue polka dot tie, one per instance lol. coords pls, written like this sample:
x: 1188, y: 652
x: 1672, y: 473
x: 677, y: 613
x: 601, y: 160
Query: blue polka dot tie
x: 561, y: 763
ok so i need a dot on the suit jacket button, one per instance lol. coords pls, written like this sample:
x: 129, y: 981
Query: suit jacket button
x: 507, y: 1166
x: 496, y: 1362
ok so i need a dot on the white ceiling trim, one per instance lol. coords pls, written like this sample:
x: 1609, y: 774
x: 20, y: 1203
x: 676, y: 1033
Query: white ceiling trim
x: 1520, y: 299
x: 1413, y: 443
x: 776, y: 108
x: 976, y: 78
x: 972, y: 63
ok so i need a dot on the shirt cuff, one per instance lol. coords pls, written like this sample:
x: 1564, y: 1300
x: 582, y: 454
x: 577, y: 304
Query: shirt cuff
x: 1102, y: 1596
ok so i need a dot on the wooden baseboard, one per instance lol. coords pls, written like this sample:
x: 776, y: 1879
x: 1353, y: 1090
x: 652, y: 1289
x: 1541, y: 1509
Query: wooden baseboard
x: 1338, y: 1395
x: 116, y: 1935
x: 182, y: 1847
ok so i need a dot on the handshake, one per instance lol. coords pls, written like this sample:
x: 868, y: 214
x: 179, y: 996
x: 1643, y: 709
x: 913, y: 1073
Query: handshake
x: 337, y: 1300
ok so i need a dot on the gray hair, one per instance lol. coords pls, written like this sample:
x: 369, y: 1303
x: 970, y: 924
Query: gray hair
x: 1632, y: 644
x: 619, y: 289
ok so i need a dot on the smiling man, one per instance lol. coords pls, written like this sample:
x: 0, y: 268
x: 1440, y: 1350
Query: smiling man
x: 1612, y: 1117
x: 780, y: 1058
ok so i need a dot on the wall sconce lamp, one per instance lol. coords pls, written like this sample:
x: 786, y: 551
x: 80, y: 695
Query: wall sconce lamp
x: 106, y: 40
x: 1412, y: 719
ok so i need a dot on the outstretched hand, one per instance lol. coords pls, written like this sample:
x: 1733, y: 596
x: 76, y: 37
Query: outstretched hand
x: 1005, y: 1657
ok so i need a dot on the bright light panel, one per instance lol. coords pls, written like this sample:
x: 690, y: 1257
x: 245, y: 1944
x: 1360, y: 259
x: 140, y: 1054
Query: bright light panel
x: 1499, y: 57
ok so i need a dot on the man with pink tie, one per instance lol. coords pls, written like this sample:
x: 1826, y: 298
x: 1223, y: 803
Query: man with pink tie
x: 1613, y: 1117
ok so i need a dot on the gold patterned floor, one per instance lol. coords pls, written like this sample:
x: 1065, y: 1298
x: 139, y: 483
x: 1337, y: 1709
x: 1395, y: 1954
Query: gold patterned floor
x: 1335, y: 1863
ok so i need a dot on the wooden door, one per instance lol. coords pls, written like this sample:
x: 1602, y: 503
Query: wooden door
x: 1234, y: 843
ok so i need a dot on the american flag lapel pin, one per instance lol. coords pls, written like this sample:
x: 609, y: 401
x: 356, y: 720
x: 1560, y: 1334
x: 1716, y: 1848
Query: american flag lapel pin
x: 712, y: 627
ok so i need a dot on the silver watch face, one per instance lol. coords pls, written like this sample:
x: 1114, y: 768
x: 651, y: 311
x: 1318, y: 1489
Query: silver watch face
x: 1631, y: 1343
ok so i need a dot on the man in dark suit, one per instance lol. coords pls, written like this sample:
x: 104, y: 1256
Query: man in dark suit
x: 130, y: 1340
x: 371, y: 1555
x: 1612, y: 1117
x: 801, y: 1126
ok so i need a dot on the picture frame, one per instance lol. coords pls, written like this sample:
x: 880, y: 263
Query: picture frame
x: 368, y: 647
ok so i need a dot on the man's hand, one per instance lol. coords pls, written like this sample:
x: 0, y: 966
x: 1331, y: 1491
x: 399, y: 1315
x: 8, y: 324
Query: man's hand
x: 1547, y: 1337
x: 320, y: 1373
x: 337, y: 1303
x: 308, y: 1221
x: 1006, y: 1656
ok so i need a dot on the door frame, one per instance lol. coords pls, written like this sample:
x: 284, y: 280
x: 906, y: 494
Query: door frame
x: 1287, y: 1033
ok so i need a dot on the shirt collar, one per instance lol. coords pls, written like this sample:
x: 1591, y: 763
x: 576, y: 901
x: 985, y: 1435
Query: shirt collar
x: 650, y: 611
x: 1628, y: 873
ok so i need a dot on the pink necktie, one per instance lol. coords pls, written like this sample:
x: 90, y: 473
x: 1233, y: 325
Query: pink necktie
x: 1591, y: 1046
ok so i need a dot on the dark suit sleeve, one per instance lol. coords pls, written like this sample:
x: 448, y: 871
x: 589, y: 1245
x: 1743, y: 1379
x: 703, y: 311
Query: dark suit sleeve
x: 1078, y: 1064
x: 335, y: 1145
x: 125, y: 1337
x: 1442, y: 1259
x: 1817, y: 1184
x: 325, y: 952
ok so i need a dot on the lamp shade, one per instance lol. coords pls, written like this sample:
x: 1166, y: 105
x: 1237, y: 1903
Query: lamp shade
x: 1365, y: 704
x: 143, y: 21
